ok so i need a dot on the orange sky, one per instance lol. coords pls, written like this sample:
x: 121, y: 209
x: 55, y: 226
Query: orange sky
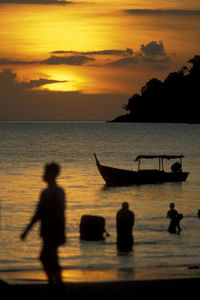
x: 83, y: 60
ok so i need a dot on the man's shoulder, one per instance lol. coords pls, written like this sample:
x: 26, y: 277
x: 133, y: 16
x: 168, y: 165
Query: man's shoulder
x: 131, y: 213
x: 55, y: 190
x: 60, y: 189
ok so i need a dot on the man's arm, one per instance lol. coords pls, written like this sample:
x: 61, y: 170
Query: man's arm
x: 35, y: 217
x: 29, y: 226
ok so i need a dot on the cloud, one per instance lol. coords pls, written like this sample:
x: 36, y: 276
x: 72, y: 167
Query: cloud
x: 125, y: 52
x: 38, y: 83
x: 57, y: 2
x: 75, y: 60
x: 126, y: 55
x: 124, y: 61
x: 175, y: 12
x: 8, y: 81
x: 153, y: 48
x: 5, y: 61
x: 152, y: 52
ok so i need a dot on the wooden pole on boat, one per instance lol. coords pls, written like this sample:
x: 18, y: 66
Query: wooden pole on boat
x: 162, y: 164
x: 139, y: 164
x: 181, y: 163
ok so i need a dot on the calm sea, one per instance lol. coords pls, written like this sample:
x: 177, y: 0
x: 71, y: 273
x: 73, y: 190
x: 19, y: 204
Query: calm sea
x: 27, y: 146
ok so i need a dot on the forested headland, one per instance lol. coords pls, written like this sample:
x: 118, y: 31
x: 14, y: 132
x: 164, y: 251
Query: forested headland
x: 174, y: 100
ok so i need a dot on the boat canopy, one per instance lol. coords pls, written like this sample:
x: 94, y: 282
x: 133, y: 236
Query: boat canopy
x: 159, y: 156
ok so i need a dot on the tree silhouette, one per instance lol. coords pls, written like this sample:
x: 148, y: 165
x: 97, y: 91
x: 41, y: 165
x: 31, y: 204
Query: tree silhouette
x: 176, y: 99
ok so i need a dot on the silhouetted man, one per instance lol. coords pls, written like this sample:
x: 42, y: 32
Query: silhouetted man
x: 51, y: 214
x: 125, y: 221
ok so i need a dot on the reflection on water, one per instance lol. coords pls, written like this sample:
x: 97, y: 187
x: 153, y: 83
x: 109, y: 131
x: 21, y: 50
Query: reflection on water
x: 27, y: 146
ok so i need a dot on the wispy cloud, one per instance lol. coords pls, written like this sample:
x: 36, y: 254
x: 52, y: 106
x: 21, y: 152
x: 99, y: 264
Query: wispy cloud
x: 43, y: 2
x: 75, y: 60
x: 38, y: 83
x: 8, y: 80
x: 124, y: 61
x: 5, y: 61
x: 151, y: 53
x: 175, y: 12
x: 116, y: 52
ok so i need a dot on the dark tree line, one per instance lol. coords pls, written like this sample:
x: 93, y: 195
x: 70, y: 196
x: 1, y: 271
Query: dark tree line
x: 176, y: 99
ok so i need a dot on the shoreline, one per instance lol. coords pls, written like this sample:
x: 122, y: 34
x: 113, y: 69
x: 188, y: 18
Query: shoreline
x: 138, y: 289
x: 81, y: 276
x: 160, y: 283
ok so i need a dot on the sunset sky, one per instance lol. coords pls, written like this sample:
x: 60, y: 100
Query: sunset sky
x: 82, y: 60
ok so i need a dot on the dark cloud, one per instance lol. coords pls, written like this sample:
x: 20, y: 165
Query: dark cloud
x: 5, y: 61
x: 152, y: 52
x: 125, y: 52
x: 59, y: 2
x: 156, y: 62
x: 124, y: 61
x: 153, y: 48
x: 8, y: 80
x: 175, y: 12
x: 75, y: 60
x: 126, y: 55
x: 38, y: 83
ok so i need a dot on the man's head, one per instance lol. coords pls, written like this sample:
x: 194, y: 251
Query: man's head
x: 125, y: 205
x: 51, y: 171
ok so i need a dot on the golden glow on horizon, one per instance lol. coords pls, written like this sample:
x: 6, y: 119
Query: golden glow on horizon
x: 72, y: 81
x: 33, y: 33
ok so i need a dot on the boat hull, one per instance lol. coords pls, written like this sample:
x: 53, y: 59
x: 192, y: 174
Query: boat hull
x: 120, y: 177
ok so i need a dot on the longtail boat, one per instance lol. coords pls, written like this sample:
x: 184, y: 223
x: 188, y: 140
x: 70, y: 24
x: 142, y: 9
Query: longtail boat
x: 121, y: 177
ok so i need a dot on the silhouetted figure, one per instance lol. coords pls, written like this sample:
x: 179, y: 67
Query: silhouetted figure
x: 198, y: 213
x: 51, y: 214
x: 172, y: 214
x: 125, y: 222
x: 176, y: 167
x: 175, y: 219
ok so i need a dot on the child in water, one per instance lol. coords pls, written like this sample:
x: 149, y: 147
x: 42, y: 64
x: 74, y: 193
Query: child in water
x: 175, y: 219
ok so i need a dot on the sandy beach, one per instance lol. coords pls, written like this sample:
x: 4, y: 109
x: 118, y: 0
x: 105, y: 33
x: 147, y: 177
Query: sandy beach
x: 159, y: 283
x: 139, y: 289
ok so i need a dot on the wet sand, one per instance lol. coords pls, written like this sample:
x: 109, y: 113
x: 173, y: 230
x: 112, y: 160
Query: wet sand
x: 139, y: 289
x: 163, y: 283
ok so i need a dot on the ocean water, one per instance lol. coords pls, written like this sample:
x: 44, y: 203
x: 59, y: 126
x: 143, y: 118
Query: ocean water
x: 27, y: 146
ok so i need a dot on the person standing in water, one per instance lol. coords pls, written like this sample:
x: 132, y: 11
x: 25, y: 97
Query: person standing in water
x: 125, y: 220
x: 51, y: 214
x: 175, y: 219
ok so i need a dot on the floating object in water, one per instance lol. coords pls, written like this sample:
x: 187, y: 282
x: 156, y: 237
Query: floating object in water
x: 120, y: 177
x: 92, y: 228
